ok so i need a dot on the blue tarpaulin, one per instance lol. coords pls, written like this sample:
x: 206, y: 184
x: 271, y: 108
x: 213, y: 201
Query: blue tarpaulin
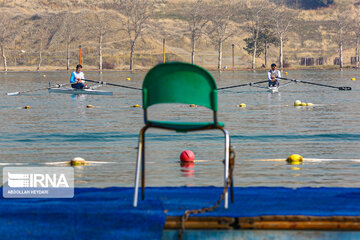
x: 108, y: 213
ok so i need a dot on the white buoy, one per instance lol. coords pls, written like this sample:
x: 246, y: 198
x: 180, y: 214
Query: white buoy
x: 297, y: 103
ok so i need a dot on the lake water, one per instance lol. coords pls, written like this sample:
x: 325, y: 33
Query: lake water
x: 59, y: 127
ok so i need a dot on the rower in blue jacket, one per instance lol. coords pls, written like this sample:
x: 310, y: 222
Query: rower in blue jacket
x: 77, y: 78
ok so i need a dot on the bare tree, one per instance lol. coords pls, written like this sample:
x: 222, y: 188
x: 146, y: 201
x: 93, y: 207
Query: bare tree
x: 101, y: 32
x: 218, y: 29
x: 341, y: 28
x: 101, y: 27
x: 357, y: 34
x: 197, y: 18
x: 71, y: 33
x: 255, y: 12
x: 138, y: 13
x: 283, y: 18
x: 41, y: 32
x: 355, y: 28
x: 266, y: 38
x: 5, y: 34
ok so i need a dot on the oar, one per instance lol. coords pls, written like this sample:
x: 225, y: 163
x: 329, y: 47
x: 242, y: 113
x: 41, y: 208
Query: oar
x: 242, y: 85
x: 111, y: 84
x: 33, y: 90
x: 318, y: 84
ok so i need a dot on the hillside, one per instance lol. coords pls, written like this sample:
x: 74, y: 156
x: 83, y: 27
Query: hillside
x: 309, y: 37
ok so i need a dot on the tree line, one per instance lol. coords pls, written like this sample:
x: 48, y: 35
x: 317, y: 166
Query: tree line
x: 266, y: 22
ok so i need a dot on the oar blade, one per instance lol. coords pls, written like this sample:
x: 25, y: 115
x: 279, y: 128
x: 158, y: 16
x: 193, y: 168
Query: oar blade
x: 345, y: 88
x: 13, y: 93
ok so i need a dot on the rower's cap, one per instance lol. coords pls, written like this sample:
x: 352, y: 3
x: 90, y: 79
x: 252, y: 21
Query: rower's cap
x: 273, y: 65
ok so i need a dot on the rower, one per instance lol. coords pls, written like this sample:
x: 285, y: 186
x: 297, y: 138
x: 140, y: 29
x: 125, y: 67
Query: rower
x: 77, y: 78
x: 272, y: 75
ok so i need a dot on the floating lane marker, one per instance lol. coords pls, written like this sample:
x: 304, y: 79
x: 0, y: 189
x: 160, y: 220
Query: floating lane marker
x: 209, y: 160
x: 17, y: 164
x: 64, y: 163
x: 330, y: 160
x: 77, y: 161
x: 307, y: 160
x: 295, y: 159
x: 187, y: 156
x: 89, y: 163
x: 57, y: 163
x: 297, y: 103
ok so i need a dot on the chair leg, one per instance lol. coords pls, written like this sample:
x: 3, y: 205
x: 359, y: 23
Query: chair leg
x: 227, y: 162
x: 139, y: 165
x: 143, y: 165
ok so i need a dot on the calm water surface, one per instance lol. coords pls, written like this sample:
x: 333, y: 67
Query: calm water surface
x: 59, y: 127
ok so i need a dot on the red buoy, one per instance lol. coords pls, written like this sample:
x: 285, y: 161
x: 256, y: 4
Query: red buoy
x: 187, y: 156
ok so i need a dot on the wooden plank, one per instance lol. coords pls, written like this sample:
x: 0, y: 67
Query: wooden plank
x: 268, y: 222
x: 200, y: 223
x: 300, y: 225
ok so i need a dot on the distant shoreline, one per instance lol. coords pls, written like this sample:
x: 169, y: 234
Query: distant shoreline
x: 93, y: 69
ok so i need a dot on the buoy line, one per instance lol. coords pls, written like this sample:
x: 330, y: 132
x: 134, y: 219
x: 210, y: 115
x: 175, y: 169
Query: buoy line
x: 307, y: 160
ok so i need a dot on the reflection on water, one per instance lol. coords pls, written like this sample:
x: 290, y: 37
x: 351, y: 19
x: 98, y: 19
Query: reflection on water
x: 80, y: 103
x: 187, y: 169
x: 59, y: 127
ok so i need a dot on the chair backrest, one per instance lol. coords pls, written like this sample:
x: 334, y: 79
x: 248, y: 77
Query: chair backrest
x: 178, y: 82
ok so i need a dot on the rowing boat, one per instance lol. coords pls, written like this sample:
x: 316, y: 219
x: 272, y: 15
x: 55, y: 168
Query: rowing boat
x: 79, y: 91
x: 273, y: 89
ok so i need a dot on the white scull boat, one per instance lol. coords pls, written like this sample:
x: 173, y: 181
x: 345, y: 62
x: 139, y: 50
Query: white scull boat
x: 273, y: 89
x: 79, y: 91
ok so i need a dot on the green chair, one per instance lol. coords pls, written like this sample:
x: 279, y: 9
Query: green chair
x: 185, y: 83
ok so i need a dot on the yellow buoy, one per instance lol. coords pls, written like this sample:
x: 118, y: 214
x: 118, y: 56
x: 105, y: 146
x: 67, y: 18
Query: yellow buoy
x: 89, y: 106
x: 77, y: 161
x: 294, y: 159
x: 285, y: 73
x: 136, y: 106
x: 303, y: 104
x: 310, y: 104
x: 27, y: 107
x: 353, y: 79
x: 242, y: 105
x: 297, y: 103
x: 128, y: 79
x: 44, y: 75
